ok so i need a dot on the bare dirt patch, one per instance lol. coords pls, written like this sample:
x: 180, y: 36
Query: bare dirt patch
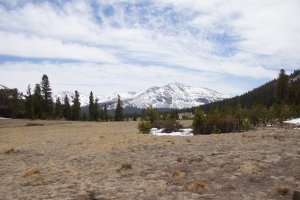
x: 90, y: 160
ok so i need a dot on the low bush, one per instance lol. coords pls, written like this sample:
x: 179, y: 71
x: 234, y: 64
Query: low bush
x: 169, y: 125
x: 34, y: 124
x: 144, y: 127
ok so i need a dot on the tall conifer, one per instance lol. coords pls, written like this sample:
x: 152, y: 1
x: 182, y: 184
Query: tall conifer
x: 47, y: 104
x: 119, y: 110
x: 76, y: 107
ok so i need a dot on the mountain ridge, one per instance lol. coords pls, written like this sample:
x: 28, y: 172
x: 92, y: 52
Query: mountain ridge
x: 171, y: 96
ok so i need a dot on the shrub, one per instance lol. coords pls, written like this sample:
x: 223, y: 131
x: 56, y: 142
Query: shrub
x: 34, y: 124
x: 168, y: 125
x: 144, y: 127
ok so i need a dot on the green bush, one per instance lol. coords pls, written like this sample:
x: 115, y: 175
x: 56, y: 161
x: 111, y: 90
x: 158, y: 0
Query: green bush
x: 169, y: 125
x: 199, y: 122
x: 144, y: 127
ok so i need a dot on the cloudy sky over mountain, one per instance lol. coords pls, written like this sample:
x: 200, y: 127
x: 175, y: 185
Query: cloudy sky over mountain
x: 115, y: 46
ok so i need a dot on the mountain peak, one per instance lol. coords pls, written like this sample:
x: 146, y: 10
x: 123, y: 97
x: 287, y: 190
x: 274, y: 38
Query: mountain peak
x: 171, y: 96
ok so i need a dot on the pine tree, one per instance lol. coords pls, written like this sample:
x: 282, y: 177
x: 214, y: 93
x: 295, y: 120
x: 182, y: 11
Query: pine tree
x: 67, y: 108
x: 91, y: 107
x: 37, y: 101
x: 152, y: 114
x: 84, y: 117
x: 105, y: 114
x: 76, y: 107
x: 119, y: 110
x: 29, y: 104
x: 96, y: 110
x: 58, y: 108
x: 199, y: 122
x: 47, y: 104
x: 174, y: 114
x: 282, y: 87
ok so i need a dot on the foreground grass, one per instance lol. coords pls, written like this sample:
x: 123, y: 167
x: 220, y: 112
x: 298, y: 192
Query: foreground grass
x: 89, y: 160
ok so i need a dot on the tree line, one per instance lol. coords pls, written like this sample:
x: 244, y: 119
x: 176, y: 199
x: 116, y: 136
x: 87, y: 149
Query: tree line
x: 269, y: 104
x: 39, y: 104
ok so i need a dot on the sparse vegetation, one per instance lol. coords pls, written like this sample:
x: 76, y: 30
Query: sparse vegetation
x: 34, y: 124
x: 177, y: 176
x: 12, y: 150
x: 75, y: 158
x: 195, y: 186
x: 282, y: 190
x: 125, y: 166
x: 32, y: 171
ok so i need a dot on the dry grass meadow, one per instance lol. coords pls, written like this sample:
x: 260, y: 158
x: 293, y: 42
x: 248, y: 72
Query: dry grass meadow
x: 90, y: 160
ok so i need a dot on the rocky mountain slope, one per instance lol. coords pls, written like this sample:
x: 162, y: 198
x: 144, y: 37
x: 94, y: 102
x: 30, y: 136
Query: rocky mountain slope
x: 171, y: 96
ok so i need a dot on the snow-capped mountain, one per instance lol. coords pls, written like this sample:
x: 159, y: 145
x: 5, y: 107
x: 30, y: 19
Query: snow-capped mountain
x: 84, y: 98
x: 174, y: 95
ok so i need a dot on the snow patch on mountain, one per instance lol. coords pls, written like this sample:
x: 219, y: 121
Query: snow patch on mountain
x: 171, y: 96
x: 84, y: 98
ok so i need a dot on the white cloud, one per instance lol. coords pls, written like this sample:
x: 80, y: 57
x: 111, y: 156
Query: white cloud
x: 18, y: 44
x: 185, y: 40
x: 105, y: 79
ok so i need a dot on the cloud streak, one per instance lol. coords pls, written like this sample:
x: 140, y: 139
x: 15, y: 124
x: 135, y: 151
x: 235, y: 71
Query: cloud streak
x: 180, y: 40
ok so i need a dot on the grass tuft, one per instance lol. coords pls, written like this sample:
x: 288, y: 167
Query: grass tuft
x: 32, y: 171
x: 125, y: 166
x: 282, y: 191
x: 10, y: 151
x: 195, y: 186
x: 34, y: 124
x: 176, y: 176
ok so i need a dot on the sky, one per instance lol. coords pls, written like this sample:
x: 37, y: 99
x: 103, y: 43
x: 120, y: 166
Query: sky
x: 111, y: 46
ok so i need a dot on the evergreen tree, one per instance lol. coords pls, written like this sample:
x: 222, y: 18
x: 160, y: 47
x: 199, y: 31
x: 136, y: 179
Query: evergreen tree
x: 76, y: 107
x: 58, y: 108
x: 282, y: 87
x: 37, y: 101
x: 105, y: 114
x: 11, y: 103
x: 199, y: 122
x: 96, y: 110
x: 91, y: 107
x: 29, y: 104
x: 119, y: 110
x: 47, y: 104
x: 174, y: 114
x: 84, y: 117
x: 152, y: 114
x: 67, y: 108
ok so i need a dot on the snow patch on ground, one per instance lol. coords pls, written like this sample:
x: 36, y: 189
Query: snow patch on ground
x: 293, y: 121
x: 3, y: 118
x: 182, y: 132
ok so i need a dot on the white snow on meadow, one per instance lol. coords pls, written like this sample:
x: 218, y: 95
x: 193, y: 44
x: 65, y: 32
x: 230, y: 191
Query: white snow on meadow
x: 3, y: 118
x: 182, y: 132
x: 293, y: 121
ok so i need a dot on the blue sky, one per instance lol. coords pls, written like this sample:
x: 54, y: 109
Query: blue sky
x: 116, y: 46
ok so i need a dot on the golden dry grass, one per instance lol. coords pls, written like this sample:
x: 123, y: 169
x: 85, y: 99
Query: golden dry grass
x: 92, y: 160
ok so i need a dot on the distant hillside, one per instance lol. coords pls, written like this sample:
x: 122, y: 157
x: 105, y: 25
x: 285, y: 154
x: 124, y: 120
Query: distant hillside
x: 264, y: 95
